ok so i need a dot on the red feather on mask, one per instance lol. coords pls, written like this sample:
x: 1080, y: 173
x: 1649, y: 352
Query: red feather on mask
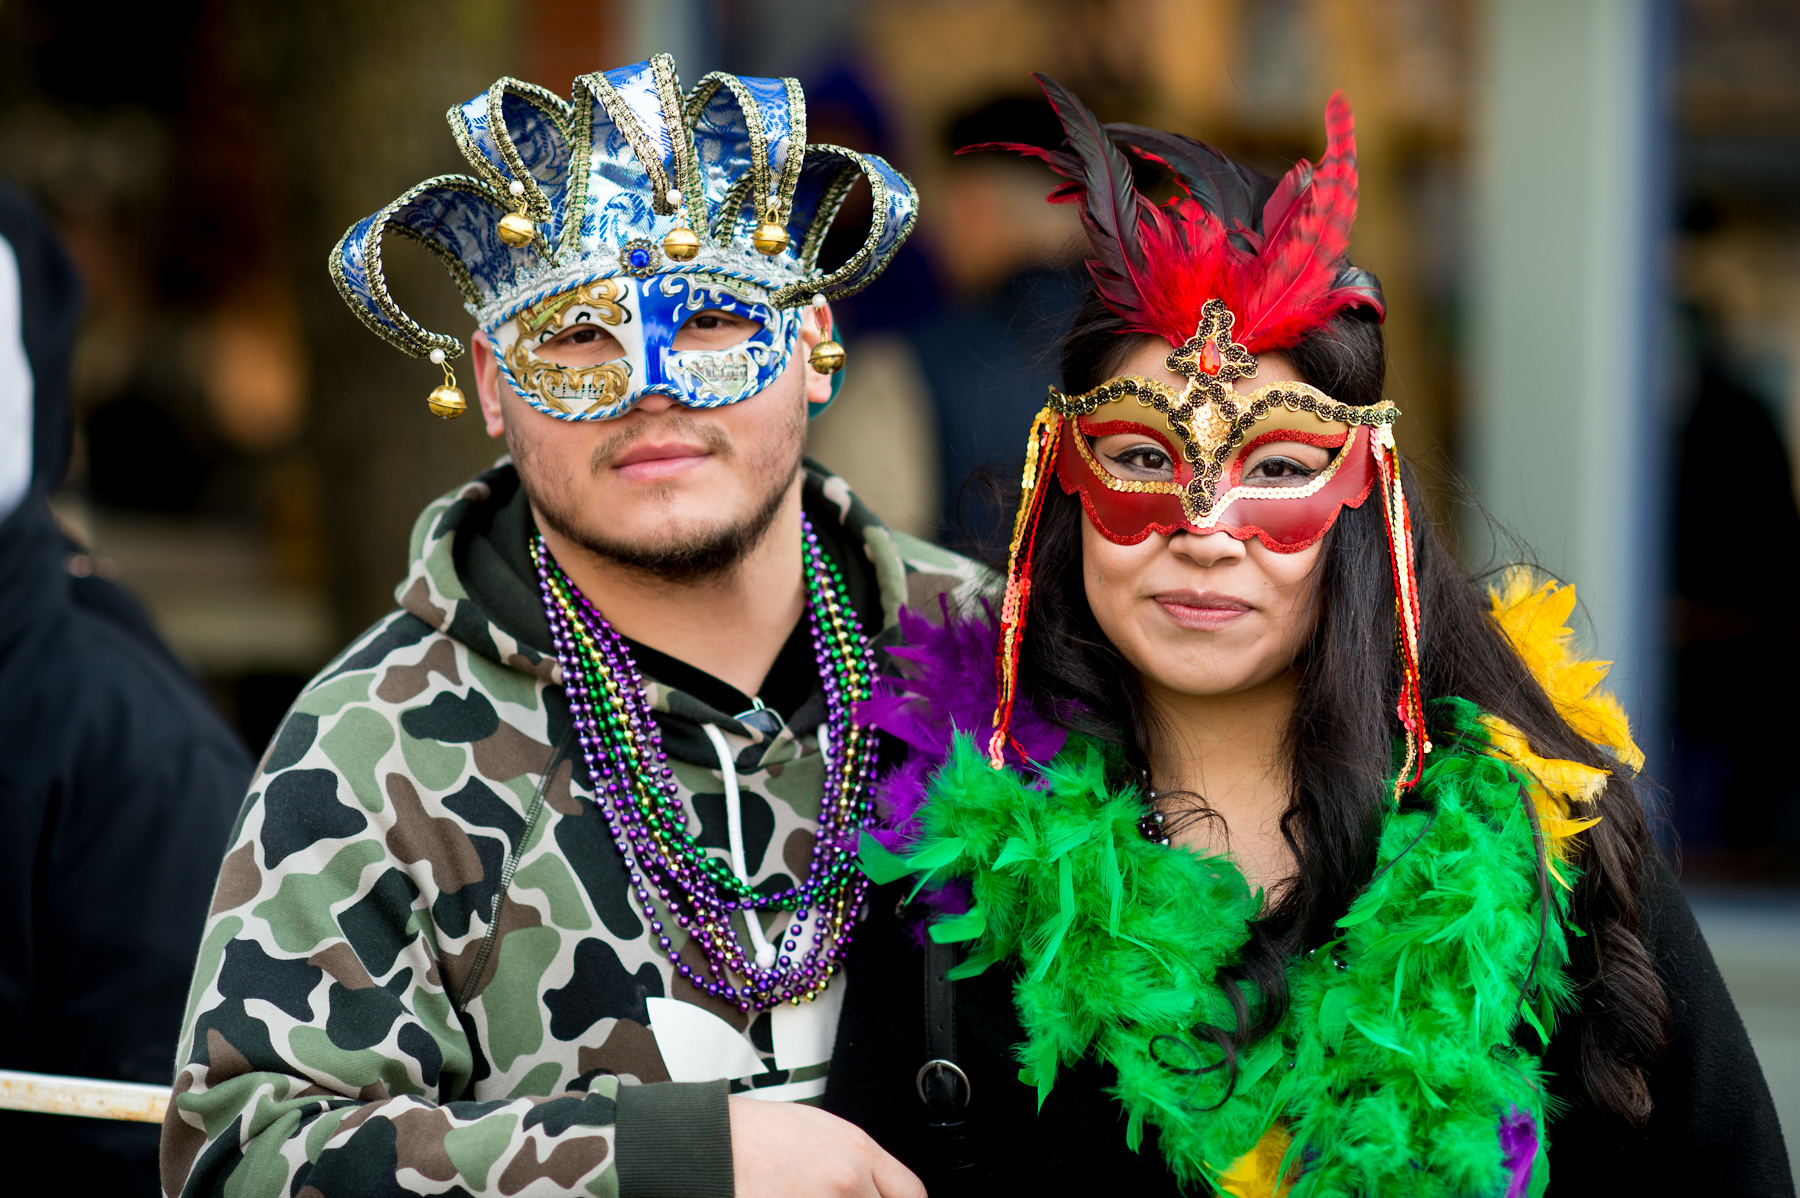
x: 1156, y: 265
x: 1306, y: 232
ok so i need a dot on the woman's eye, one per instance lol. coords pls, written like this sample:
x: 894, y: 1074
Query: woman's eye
x: 1138, y: 463
x: 1278, y: 470
x: 1144, y: 458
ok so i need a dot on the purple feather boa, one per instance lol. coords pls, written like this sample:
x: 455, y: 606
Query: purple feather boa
x: 948, y: 687
x: 1519, y: 1143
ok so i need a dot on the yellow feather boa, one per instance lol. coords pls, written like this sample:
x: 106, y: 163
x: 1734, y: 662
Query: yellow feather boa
x: 1534, y: 615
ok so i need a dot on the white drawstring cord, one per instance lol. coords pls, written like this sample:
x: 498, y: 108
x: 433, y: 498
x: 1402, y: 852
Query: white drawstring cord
x: 734, y: 830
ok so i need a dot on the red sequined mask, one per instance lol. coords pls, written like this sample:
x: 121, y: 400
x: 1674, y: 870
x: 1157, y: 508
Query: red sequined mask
x: 1213, y: 443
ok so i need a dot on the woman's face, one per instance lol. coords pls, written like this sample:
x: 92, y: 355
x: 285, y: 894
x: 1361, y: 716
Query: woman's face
x: 1203, y: 614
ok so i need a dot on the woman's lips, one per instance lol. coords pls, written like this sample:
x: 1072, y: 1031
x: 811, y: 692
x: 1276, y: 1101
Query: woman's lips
x: 652, y: 463
x: 1202, y: 611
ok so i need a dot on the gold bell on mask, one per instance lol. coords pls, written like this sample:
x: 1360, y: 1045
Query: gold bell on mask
x: 515, y: 228
x: 446, y: 399
x: 771, y: 236
x: 682, y: 244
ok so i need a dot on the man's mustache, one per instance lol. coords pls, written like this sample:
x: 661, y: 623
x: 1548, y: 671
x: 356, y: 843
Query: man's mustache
x: 709, y: 435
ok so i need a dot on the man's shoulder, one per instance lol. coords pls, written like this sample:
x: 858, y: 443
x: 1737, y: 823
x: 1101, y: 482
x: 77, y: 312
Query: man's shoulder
x: 929, y: 575
x: 404, y: 682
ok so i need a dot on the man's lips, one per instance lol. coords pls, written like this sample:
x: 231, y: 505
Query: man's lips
x: 649, y: 462
x: 1202, y: 611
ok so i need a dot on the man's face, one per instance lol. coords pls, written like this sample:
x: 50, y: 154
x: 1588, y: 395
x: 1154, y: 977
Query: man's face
x: 668, y: 489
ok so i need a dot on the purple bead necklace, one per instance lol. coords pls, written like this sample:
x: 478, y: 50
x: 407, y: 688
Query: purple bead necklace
x: 635, y: 790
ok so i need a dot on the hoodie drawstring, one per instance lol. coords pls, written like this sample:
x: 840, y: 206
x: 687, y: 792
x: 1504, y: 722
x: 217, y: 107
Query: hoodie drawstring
x: 734, y: 831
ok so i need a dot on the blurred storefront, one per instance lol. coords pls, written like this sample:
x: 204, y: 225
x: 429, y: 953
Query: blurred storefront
x: 1585, y: 213
x: 251, y: 461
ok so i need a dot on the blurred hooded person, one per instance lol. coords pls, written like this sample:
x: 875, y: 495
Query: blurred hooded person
x: 118, y: 782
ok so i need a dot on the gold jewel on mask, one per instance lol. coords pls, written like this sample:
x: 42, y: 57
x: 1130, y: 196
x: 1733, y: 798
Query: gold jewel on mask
x: 446, y: 400
x: 682, y: 244
x: 827, y: 357
x: 771, y: 237
x: 516, y: 229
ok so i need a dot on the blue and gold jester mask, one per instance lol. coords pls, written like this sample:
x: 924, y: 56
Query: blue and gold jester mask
x: 629, y: 209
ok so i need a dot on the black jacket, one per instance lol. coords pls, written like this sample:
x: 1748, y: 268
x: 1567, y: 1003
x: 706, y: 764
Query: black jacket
x: 118, y: 789
x: 1713, y: 1132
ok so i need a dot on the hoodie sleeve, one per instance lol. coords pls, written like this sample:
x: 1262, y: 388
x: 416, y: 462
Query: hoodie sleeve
x: 322, y: 1050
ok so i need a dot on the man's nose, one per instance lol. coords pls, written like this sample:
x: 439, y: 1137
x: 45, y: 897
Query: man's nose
x: 656, y: 401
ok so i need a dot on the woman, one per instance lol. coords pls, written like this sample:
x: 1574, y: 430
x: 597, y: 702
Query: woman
x: 1278, y: 858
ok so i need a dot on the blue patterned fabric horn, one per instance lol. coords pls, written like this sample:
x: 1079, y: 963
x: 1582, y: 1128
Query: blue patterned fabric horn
x: 626, y: 211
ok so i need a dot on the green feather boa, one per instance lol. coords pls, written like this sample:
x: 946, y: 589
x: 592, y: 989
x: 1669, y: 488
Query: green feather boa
x: 1397, y: 1058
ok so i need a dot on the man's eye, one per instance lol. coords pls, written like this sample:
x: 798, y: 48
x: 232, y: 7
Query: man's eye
x: 706, y: 320
x: 581, y: 334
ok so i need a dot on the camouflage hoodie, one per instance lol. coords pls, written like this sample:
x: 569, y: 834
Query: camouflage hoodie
x: 424, y: 971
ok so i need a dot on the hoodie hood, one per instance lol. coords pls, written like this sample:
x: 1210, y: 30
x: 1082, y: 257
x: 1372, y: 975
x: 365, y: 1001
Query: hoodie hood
x: 471, y: 578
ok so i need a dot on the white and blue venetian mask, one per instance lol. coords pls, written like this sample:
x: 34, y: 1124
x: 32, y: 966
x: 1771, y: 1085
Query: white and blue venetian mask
x: 592, y: 352
x: 598, y: 184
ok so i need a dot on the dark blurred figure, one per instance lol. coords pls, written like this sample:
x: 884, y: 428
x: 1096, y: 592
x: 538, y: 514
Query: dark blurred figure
x: 988, y: 357
x: 118, y: 783
x: 1738, y: 634
x: 841, y: 112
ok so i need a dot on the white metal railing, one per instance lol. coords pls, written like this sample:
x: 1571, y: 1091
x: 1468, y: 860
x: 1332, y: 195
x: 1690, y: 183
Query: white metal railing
x: 49, y: 1094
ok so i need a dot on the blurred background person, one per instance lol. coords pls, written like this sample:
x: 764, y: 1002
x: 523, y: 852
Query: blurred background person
x: 972, y: 371
x: 118, y: 782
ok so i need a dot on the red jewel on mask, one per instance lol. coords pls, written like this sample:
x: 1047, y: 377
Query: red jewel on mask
x: 1210, y: 357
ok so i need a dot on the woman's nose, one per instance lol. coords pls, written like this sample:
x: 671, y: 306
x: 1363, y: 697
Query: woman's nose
x: 1206, y: 548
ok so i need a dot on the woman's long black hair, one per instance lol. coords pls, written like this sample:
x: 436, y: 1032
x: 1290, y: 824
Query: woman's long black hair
x: 1343, y: 729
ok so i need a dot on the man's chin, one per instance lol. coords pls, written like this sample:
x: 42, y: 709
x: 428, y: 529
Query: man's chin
x: 630, y: 539
x: 675, y: 537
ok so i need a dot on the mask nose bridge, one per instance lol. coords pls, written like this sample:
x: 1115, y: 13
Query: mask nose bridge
x: 660, y: 318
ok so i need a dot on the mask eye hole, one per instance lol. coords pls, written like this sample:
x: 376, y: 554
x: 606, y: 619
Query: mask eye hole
x: 581, y: 344
x: 714, y: 328
x: 1134, y: 458
x: 1284, y: 464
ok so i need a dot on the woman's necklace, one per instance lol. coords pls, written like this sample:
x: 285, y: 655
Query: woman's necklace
x: 1150, y: 827
x: 635, y: 789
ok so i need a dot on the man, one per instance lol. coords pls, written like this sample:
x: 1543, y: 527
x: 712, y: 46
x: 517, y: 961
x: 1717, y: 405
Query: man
x: 118, y: 783
x: 484, y: 926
